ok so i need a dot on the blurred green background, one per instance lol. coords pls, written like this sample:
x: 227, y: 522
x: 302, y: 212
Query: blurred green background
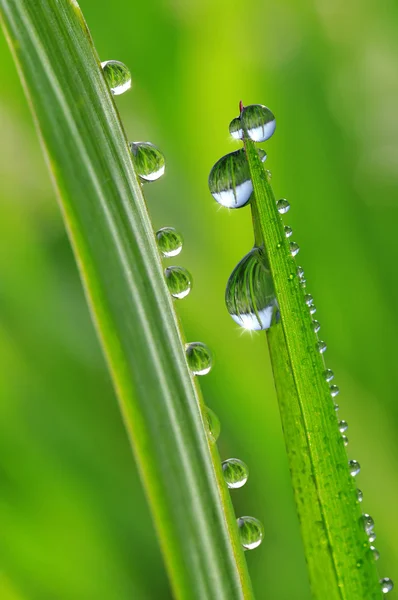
x: 73, y: 518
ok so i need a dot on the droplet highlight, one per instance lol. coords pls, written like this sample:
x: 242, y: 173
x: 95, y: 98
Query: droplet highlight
x: 169, y: 241
x: 258, y: 122
x: 178, y: 281
x: 251, y: 532
x: 148, y: 161
x: 386, y: 585
x: 235, y: 473
x: 283, y: 207
x: 117, y: 76
x: 199, y: 358
x: 354, y: 467
x: 372, y: 537
x: 288, y: 231
x: 250, y: 294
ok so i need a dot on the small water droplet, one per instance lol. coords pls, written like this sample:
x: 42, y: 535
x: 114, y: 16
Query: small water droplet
x: 312, y: 309
x: 368, y: 523
x: 386, y: 585
x: 199, y: 358
x: 303, y: 283
x: 294, y: 248
x: 300, y: 272
x: 213, y: 423
x: 345, y: 440
x: 376, y: 553
x: 343, y: 426
x: 372, y: 537
x: 178, y: 281
x: 169, y: 241
x: 250, y: 294
x: 268, y: 175
x: 334, y: 390
x: 283, y: 207
x: 251, y: 532
x: 235, y: 129
x: 117, y: 76
x: 328, y: 375
x: 355, y: 467
x: 309, y: 300
x: 148, y: 161
x: 288, y: 231
x: 258, y: 122
x: 336, y: 407
x: 359, y: 495
x: 321, y: 346
x: 229, y: 180
x: 316, y: 326
x: 235, y: 472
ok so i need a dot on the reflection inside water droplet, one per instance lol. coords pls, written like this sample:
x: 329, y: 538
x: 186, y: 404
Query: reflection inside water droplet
x: 258, y: 122
x: 294, y: 248
x: 235, y: 128
x: 199, y: 358
x: 288, y: 231
x: 251, y: 532
x: 386, y: 585
x: 328, y: 375
x: 178, y: 281
x: 117, y: 76
x: 235, y: 472
x: 229, y: 180
x: 321, y: 346
x: 283, y: 207
x: 148, y: 161
x: 169, y: 241
x: 354, y: 467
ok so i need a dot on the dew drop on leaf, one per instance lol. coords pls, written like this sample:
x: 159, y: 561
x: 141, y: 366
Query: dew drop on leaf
x: 375, y: 552
x: 169, y: 241
x: 321, y: 346
x: 213, y: 424
x: 309, y: 300
x: 148, y: 161
x: 316, y: 326
x: 258, y: 122
x: 386, y: 585
x: 359, y: 495
x: 251, y: 532
x: 117, y: 76
x: 199, y: 358
x: 178, y: 281
x: 288, y: 231
x: 283, y: 207
x: 354, y: 467
x: 229, y: 180
x: 294, y: 248
x: 235, y: 472
x: 334, y: 391
x: 368, y: 523
x: 343, y: 426
x: 328, y: 375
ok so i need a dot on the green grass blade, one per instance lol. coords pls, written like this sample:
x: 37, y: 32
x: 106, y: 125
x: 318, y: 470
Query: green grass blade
x: 341, y: 565
x: 113, y: 241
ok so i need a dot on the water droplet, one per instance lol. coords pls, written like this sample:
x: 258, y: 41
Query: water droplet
x: 235, y: 129
x: 336, y: 407
x: 343, y: 426
x: 235, y: 473
x: 251, y: 532
x: 386, y: 585
x: 294, y: 248
x: 316, y: 326
x: 199, y: 358
x: 359, y: 495
x: 376, y: 553
x: 288, y: 231
x: 355, y: 467
x: 169, y: 241
x: 229, y: 180
x: 268, y: 175
x: 300, y: 272
x: 258, y: 122
x: 309, y: 300
x: 213, y: 423
x: 117, y: 76
x: 345, y: 440
x: 148, y: 161
x: 263, y: 156
x: 303, y: 283
x: 372, y: 537
x: 178, y: 281
x: 328, y: 375
x: 321, y: 346
x: 334, y: 391
x: 312, y: 309
x: 283, y: 207
x: 368, y: 523
x: 250, y: 294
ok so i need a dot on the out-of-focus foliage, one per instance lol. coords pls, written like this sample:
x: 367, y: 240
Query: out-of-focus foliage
x: 73, y: 516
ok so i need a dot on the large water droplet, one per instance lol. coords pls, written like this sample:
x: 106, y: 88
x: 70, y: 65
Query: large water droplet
x: 148, y: 161
x: 258, y: 122
x: 235, y: 472
x: 359, y: 495
x: 321, y: 346
x: 235, y: 128
x: 117, y: 76
x: 294, y: 248
x: 354, y: 467
x: 368, y: 523
x: 376, y: 553
x: 288, y: 231
x: 178, y: 281
x: 283, y: 207
x: 250, y: 294
x: 229, y: 180
x: 328, y: 375
x: 251, y: 532
x: 343, y: 426
x: 169, y: 241
x: 386, y: 585
x: 199, y: 358
x: 334, y: 391
x: 213, y: 423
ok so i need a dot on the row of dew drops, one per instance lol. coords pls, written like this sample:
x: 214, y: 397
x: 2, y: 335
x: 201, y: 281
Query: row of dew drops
x: 149, y: 163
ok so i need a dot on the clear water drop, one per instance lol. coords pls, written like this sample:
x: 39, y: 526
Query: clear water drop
x: 321, y: 346
x: 148, y: 161
x: 283, y: 207
x: 229, y: 180
x: 345, y: 440
x: 372, y: 537
x: 386, y: 585
x: 294, y: 248
x: 235, y: 472
x: 316, y: 326
x: 250, y: 294
x: 262, y: 154
x: 376, y: 553
x: 309, y: 300
x: 169, y: 241
x: 251, y: 532
x: 199, y: 358
x: 117, y: 76
x: 359, y: 495
x: 343, y: 426
x: 178, y: 281
x: 303, y: 283
x: 258, y: 122
x: 328, y: 375
x: 368, y: 523
x: 288, y: 231
x: 213, y: 423
x: 235, y: 129
x: 300, y: 272
x: 334, y: 391
x: 336, y: 407
x: 312, y: 309
x: 355, y: 467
